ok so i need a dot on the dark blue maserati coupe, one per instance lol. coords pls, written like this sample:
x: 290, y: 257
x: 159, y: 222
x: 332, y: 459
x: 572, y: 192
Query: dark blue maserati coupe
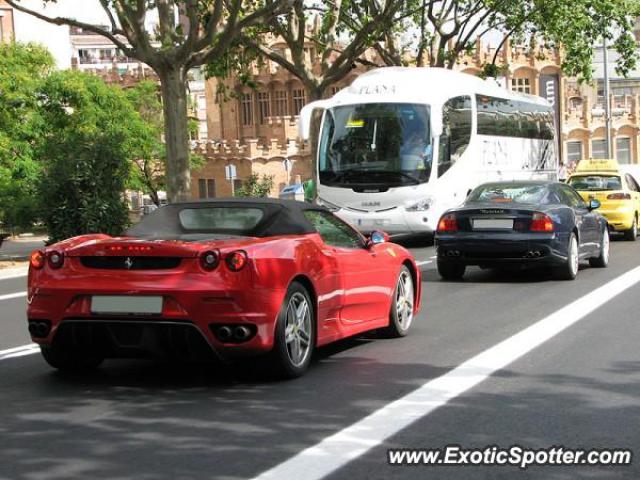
x: 522, y: 223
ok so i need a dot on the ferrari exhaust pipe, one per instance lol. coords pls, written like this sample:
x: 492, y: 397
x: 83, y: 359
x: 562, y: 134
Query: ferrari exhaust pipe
x: 39, y: 329
x: 242, y: 333
x: 224, y: 333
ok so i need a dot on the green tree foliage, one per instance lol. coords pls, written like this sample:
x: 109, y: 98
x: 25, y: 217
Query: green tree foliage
x: 93, y: 132
x: 147, y: 165
x: 189, y: 33
x: 255, y: 186
x: 438, y: 32
x: 338, y: 32
x: 22, y: 68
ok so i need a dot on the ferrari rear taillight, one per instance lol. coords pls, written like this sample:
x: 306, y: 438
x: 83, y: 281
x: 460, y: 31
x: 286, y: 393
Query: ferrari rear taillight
x: 236, y: 260
x: 448, y: 223
x: 209, y: 260
x: 56, y: 259
x: 619, y: 196
x: 541, y: 222
x: 37, y: 259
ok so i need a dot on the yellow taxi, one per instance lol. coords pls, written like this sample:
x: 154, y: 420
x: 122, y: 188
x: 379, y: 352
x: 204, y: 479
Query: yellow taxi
x: 617, y: 192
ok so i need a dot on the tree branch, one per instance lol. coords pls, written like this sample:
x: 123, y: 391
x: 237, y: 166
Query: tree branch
x: 112, y: 20
x: 75, y: 23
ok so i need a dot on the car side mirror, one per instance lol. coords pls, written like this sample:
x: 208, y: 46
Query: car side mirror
x: 593, y: 204
x: 377, y: 237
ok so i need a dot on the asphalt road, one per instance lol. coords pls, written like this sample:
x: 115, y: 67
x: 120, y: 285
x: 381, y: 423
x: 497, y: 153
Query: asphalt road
x: 579, y: 388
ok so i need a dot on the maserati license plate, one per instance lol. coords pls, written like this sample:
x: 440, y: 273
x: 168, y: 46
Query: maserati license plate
x: 493, y: 224
x: 126, y: 304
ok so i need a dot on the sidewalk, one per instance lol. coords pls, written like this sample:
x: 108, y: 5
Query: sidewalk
x: 20, y: 248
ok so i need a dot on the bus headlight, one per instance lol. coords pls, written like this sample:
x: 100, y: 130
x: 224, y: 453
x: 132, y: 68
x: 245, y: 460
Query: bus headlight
x: 420, y: 205
x: 328, y: 205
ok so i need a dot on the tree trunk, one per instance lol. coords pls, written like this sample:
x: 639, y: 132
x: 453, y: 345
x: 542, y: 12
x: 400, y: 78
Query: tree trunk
x: 315, y: 92
x: 173, y: 84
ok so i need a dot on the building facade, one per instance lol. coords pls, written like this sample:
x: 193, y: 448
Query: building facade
x: 584, y: 125
x: 6, y: 23
x: 256, y: 129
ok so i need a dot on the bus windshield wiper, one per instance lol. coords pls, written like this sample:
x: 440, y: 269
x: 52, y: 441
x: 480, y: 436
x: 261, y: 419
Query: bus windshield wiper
x: 399, y: 174
x: 344, y: 174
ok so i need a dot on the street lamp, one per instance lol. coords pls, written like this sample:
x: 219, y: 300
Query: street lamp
x: 607, y: 97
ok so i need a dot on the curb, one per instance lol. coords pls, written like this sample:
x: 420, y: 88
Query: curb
x: 14, y: 258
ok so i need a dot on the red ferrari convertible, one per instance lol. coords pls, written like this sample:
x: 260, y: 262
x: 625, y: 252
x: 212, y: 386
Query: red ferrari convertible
x: 229, y: 277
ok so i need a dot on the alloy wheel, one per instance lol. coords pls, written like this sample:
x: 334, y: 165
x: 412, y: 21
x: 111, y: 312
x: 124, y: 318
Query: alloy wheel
x: 404, y: 300
x: 605, y: 245
x: 574, y: 258
x: 297, y: 333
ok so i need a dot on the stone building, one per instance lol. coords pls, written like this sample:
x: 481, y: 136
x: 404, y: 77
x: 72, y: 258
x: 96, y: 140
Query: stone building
x: 256, y: 129
x: 584, y: 130
x: 254, y: 124
x: 287, y: 163
x: 253, y: 129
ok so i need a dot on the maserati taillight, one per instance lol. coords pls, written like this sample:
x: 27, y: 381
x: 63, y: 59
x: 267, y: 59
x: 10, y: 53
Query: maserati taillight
x: 541, y: 222
x: 448, y: 223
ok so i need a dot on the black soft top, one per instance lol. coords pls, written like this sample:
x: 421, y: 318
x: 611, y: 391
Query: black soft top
x: 280, y: 217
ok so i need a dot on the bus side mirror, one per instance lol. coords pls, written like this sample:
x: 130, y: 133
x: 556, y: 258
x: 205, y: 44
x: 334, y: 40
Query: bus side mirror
x: 306, y: 115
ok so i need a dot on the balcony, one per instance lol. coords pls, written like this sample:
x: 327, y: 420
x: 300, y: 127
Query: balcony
x: 106, y: 60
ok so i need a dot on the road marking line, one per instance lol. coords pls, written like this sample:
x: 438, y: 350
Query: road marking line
x: 355, y: 440
x: 13, y: 295
x: 424, y: 262
x: 13, y: 272
x: 13, y: 275
x: 19, y: 351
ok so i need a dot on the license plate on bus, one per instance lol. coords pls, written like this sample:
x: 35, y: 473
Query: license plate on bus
x: 492, y: 224
x: 368, y: 222
x: 126, y: 305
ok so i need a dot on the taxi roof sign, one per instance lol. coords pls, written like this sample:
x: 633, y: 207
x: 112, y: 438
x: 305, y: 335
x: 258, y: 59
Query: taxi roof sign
x: 597, y: 165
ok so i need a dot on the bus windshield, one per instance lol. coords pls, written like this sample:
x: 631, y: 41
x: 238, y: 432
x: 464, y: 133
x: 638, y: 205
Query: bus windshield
x: 377, y: 144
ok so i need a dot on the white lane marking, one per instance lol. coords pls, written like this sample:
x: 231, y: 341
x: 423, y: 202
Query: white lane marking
x: 13, y: 295
x: 355, y: 440
x: 13, y: 272
x: 19, y: 351
x: 13, y: 275
x: 424, y: 262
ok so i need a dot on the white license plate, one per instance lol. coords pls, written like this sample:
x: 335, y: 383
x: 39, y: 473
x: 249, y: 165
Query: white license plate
x: 126, y: 304
x: 370, y: 221
x: 493, y: 224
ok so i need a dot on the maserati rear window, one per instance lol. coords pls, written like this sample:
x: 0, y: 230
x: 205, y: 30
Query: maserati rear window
x: 220, y: 218
x: 513, y: 193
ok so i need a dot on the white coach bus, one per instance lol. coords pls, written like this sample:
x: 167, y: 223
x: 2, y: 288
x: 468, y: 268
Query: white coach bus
x: 399, y: 146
